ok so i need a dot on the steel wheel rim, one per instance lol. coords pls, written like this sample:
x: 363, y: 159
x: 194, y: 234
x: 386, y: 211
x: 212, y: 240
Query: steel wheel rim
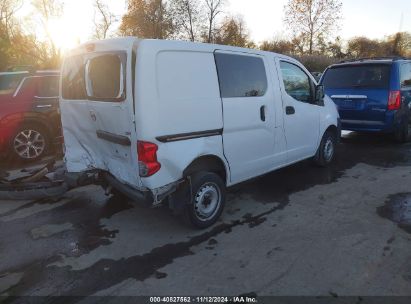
x: 207, y: 201
x: 328, y: 149
x: 29, y: 144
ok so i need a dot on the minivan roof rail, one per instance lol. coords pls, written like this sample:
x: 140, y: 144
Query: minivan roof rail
x: 393, y: 58
x: 22, y: 68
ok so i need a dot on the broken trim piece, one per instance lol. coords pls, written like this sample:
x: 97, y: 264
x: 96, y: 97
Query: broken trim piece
x: 114, y: 138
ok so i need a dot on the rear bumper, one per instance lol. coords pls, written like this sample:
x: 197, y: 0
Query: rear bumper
x: 363, y: 125
x: 144, y: 197
x: 392, y: 122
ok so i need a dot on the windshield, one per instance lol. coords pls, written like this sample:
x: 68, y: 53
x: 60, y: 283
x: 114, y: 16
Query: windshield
x: 9, y: 83
x: 358, y: 76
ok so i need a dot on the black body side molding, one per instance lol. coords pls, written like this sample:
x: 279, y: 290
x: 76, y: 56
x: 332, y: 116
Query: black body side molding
x: 185, y: 136
x: 114, y: 138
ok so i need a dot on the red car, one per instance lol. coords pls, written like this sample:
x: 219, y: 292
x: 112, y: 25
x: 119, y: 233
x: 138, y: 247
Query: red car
x: 29, y: 114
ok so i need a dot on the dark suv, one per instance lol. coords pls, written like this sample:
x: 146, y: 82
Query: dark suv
x: 372, y: 95
x: 29, y: 114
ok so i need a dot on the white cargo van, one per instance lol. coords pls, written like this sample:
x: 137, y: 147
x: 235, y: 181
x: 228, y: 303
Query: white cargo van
x: 178, y: 122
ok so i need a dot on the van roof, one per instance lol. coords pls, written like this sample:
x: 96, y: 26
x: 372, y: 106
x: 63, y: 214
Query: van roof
x: 127, y: 42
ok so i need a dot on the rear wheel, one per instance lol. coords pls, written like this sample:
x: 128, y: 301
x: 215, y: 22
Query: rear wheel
x: 402, y: 135
x: 327, y: 149
x: 207, y: 200
x: 30, y: 142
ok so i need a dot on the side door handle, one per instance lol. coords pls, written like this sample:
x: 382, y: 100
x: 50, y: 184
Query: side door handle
x: 289, y: 110
x: 262, y: 113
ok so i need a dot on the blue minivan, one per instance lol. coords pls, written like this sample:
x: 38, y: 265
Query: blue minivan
x: 372, y: 95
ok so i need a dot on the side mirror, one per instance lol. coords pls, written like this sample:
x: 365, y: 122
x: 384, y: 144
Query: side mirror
x: 319, y: 94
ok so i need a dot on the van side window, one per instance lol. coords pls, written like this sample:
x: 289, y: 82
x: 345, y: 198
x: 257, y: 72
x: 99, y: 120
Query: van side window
x: 73, y: 83
x: 406, y: 75
x: 297, y: 83
x: 48, y: 87
x: 241, y: 75
x: 105, y: 78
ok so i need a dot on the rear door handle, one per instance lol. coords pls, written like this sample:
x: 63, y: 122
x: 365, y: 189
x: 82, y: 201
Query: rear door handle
x: 262, y: 113
x: 289, y: 110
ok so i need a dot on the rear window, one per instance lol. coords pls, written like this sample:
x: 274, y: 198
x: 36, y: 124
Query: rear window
x: 73, y: 86
x: 241, y: 75
x: 375, y: 76
x: 96, y: 76
x: 105, y: 77
x: 10, y: 82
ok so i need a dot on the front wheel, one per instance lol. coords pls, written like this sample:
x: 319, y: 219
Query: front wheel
x: 327, y: 149
x: 207, y: 200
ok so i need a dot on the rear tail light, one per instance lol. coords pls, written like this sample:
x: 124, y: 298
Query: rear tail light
x: 394, y: 101
x: 147, y: 158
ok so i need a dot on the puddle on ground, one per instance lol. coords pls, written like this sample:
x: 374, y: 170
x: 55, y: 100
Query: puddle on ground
x: 398, y: 209
x: 111, y: 272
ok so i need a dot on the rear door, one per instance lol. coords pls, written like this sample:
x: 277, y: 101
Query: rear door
x: 97, y: 113
x: 248, y: 113
x: 361, y: 92
x: 47, y: 93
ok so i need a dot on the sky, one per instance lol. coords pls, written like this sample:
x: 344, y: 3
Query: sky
x: 370, y: 18
x: 264, y: 18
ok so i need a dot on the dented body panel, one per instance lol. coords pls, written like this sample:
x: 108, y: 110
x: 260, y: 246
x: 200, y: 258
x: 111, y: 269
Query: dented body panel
x: 169, y: 97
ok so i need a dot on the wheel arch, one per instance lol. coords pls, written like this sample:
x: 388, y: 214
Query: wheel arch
x: 210, y: 163
x: 19, y: 119
x: 333, y: 129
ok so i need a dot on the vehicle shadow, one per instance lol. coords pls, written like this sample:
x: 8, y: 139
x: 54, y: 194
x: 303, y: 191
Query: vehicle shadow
x: 354, y: 148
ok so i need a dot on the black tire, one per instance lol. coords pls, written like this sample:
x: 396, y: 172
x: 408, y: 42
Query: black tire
x: 37, y: 149
x: 200, y: 213
x: 402, y: 135
x: 327, y: 149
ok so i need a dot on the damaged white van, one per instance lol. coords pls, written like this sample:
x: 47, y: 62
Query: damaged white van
x: 178, y: 122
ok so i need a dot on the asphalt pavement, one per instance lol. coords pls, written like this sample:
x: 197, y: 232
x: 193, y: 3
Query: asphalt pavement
x: 302, y: 230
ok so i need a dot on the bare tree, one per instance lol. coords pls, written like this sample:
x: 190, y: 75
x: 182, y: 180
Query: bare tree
x: 102, y: 25
x: 188, y: 17
x: 214, y: 8
x: 47, y: 10
x: 8, y: 9
x: 312, y: 19
x: 148, y: 19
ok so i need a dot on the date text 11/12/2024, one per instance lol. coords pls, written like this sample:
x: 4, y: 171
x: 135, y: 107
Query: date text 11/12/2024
x: 237, y: 299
